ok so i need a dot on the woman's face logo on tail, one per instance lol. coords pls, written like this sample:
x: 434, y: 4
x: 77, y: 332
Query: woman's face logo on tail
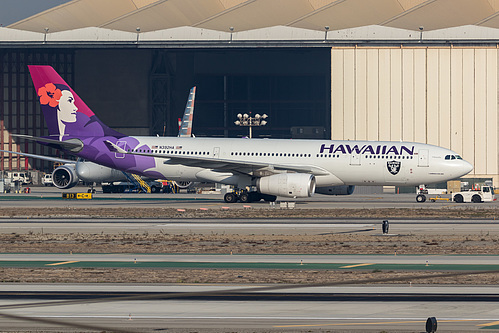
x: 67, y: 108
x: 60, y: 99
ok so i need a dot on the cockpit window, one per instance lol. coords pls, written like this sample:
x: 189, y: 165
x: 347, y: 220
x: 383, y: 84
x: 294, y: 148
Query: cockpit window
x: 453, y: 157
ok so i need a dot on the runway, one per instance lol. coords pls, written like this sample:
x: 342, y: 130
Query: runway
x: 275, y: 259
x: 217, y: 308
x: 291, y: 226
x: 301, y: 262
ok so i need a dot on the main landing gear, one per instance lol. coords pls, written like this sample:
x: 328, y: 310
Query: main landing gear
x: 247, y: 197
x: 421, y: 191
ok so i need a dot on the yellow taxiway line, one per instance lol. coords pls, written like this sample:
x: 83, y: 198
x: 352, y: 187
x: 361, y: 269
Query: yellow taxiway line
x: 490, y: 324
x: 61, y: 263
x: 358, y: 265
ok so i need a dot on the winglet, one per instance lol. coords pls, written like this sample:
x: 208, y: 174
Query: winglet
x: 114, y: 148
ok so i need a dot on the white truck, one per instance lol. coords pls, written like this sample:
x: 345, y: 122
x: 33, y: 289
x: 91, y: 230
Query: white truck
x: 486, y: 193
x: 18, y: 176
x: 47, y: 179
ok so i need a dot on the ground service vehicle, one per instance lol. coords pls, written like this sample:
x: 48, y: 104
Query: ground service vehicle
x: 486, y: 193
x: 47, y: 179
x: 16, y: 176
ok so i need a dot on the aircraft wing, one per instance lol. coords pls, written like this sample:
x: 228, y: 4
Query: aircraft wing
x: 223, y: 164
x: 41, y: 157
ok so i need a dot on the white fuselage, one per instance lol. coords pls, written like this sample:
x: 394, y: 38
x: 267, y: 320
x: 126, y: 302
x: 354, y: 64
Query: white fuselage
x: 340, y: 162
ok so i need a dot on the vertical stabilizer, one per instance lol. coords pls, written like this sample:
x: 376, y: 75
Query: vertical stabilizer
x: 66, y: 115
x: 186, y: 125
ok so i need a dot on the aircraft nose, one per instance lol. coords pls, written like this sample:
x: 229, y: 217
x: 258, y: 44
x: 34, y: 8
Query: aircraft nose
x: 466, y: 167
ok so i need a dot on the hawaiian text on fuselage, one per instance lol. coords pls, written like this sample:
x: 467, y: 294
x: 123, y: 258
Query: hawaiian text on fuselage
x: 366, y: 149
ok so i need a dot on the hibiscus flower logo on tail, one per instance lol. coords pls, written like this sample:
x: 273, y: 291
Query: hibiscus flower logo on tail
x: 50, y: 95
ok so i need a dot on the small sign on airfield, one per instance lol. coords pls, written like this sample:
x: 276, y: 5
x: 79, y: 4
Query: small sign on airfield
x: 77, y: 195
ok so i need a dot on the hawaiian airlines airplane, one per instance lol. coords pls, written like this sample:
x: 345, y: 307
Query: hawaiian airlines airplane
x: 257, y: 168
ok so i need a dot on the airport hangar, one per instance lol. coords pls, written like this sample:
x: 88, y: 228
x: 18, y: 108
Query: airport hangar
x: 412, y: 70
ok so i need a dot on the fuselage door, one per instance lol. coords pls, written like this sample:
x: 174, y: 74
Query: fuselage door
x: 423, y: 158
x: 216, y: 152
x: 122, y: 145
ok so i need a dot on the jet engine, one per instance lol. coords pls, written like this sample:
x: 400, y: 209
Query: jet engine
x: 336, y: 190
x: 91, y: 172
x: 65, y: 176
x: 295, y: 185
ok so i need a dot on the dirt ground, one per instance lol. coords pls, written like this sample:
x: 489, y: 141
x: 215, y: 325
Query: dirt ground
x: 37, y: 242
x: 248, y: 244
x: 452, y: 212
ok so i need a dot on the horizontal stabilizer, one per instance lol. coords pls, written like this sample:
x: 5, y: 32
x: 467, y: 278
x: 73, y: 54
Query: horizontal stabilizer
x: 41, y: 157
x: 73, y: 145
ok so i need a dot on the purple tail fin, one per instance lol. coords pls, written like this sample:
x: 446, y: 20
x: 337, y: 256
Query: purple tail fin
x: 66, y: 115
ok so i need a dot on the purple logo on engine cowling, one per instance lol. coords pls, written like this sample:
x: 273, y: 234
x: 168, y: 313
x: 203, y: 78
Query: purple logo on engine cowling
x: 366, y: 149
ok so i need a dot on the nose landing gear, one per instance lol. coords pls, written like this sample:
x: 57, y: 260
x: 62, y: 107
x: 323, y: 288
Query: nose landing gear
x: 421, y: 190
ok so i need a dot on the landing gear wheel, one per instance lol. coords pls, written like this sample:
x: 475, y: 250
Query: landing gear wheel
x: 230, y: 197
x: 245, y: 197
x: 421, y: 198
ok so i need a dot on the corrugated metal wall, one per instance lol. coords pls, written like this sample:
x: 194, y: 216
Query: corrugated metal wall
x: 442, y: 96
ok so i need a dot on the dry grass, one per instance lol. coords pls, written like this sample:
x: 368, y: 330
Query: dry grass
x: 453, y: 212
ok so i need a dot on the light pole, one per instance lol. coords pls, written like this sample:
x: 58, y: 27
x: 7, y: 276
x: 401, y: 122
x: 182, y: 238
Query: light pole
x: 248, y: 120
x: 138, y: 33
x: 45, y: 35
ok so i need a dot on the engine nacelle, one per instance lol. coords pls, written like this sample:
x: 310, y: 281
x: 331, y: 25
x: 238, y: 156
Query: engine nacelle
x: 91, y: 172
x: 65, y: 176
x: 336, y: 190
x: 295, y: 185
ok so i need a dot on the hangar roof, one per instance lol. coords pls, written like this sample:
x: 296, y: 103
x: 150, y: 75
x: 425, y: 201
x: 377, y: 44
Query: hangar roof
x: 243, y: 15
x: 273, y: 36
